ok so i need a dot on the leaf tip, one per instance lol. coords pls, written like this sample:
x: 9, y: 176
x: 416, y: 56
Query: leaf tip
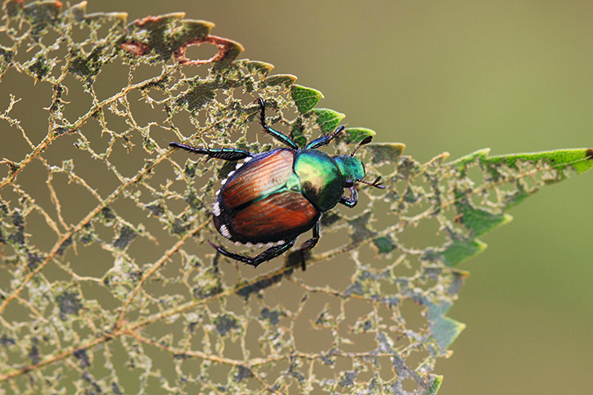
x: 435, y: 386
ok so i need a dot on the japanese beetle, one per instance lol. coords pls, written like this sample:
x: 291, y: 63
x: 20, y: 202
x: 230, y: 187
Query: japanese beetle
x: 275, y: 196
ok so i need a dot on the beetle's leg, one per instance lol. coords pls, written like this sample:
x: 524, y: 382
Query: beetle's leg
x: 284, y: 139
x: 325, y: 139
x: 309, y: 244
x: 230, y: 154
x: 352, y: 200
x: 268, y: 254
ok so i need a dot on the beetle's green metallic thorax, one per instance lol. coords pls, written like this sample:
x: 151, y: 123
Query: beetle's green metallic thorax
x: 320, y: 177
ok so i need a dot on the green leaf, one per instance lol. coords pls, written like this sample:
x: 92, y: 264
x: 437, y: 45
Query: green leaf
x: 477, y: 220
x: 461, y: 163
x: 435, y: 386
x: 280, y: 80
x: 444, y: 329
x: 327, y: 120
x: 384, y: 244
x: 256, y: 66
x: 305, y: 98
x: 355, y: 135
x: 458, y: 251
x: 580, y: 159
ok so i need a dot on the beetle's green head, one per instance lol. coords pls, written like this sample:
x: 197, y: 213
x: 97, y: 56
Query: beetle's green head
x: 352, y: 168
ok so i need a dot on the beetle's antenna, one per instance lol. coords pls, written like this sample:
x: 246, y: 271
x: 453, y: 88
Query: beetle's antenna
x: 363, y: 142
x: 376, y: 183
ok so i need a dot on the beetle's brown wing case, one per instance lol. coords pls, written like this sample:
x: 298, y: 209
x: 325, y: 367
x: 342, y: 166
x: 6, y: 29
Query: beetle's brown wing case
x: 258, y: 178
x: 280, y: 216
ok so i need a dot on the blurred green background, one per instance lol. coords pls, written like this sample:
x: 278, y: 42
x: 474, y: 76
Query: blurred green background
x: 459, y: 76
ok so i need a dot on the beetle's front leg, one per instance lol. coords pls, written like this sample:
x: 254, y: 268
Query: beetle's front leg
x: 309, y: 244
x: 230, y: 154
x: 350, y: 202
x: 284, y: 139
x: 265, y: 256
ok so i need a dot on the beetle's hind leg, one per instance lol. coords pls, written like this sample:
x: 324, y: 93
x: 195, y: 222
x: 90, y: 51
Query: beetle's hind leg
x: 265, y: 256
x: 230, y: 154
x: 308, y: 245
x: 284, y: 139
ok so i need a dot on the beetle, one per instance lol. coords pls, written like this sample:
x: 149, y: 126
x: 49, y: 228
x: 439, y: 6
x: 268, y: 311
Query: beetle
x: 274, y: 196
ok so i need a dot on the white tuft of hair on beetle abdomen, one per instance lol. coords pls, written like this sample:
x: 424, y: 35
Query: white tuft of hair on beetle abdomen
x: 225, y: 231
x: 216, y: 209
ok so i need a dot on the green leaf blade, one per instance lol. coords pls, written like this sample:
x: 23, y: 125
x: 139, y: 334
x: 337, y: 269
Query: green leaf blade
x: 580, y: 159
x: 355, y: 135
x: 327, y: 120
x: 459, y: 251
x: 305, y: 98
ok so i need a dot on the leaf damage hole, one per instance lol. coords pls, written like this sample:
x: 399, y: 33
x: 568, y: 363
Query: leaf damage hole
x: 194, y: 53
x: 227, y: 50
